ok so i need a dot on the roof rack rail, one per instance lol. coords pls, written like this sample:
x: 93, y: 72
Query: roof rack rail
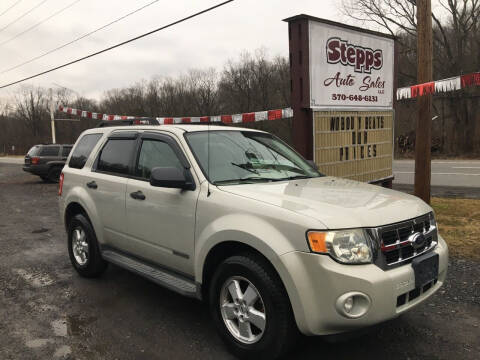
x: 218, y: 123
x: 128, y: 122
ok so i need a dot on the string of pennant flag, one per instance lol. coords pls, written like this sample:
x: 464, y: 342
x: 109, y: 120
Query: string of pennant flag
x: 439, y: 86
x: 227, y: 119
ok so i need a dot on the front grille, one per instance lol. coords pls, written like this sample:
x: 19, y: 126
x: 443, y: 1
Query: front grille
x: 397, y: 241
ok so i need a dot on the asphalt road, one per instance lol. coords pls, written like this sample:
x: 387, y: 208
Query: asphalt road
x: 47, y: 311
x: 459, y: 173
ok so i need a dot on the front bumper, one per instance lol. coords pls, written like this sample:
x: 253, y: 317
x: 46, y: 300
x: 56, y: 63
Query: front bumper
x: 315, y: 282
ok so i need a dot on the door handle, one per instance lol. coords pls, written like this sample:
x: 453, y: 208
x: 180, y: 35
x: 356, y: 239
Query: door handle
x: 137, y: 195
x: 92, y: 185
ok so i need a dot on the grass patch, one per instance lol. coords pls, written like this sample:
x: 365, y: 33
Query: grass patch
x: 459, y: 224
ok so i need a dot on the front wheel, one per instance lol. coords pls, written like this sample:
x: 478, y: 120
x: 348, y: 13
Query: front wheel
x: 251, y: 309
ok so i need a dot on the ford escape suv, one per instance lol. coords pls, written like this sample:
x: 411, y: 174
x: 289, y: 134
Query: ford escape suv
x: 239, y: 219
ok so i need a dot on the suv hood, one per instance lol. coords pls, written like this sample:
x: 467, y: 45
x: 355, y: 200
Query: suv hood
x: 337, y: 203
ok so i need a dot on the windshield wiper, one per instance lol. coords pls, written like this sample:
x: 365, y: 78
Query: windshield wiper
x: 244, y: 180
x: 296, y: 177
x: 246, y: 166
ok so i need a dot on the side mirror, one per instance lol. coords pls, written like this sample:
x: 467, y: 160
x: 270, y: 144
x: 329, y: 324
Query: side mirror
x: 171, y: 177
x: 312, y: 163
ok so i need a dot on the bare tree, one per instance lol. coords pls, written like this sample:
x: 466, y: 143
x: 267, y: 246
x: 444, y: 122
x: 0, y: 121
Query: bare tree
x: 32, y: 108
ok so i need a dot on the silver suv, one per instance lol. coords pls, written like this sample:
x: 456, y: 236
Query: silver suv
x: 239, y: 219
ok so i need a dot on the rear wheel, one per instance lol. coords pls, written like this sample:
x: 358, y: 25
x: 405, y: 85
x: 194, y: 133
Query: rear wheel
x: 83, y: 248
x: 54, y: 174
x: 44, y: 178
x: 251, y: 309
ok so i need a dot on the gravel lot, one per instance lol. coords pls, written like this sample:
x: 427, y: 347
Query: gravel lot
x: 47, y: 311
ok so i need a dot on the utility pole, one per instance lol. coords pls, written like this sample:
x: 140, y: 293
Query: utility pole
x: 52, y: 116
x: 424, y: 103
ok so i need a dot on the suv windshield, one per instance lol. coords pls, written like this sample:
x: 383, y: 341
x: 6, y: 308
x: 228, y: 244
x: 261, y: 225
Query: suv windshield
x: 247, y: 157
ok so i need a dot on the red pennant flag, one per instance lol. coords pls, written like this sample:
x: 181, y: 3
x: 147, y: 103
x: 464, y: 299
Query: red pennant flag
x: 227, y: 119
x: 274, y: 114
x: 248, y: 117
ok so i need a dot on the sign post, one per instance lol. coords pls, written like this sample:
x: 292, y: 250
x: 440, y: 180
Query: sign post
x: 342, y: 86
x: 52, y: 117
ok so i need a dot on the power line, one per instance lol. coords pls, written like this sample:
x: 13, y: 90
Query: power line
x: 40, y: 22
x: 119, y: 44
x: 23, y: 15
x: 78, y: 38
x: 11, y: 7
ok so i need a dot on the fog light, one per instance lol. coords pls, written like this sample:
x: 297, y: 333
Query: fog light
x: 348, y: 304
x: 353, y: 304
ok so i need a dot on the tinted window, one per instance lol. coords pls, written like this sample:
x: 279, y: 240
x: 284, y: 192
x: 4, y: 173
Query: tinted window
x: 115, y: 156
x: 34, y: 150
x: 83, y: 149
x: 153, y: 154
x: 49, y: 151
x: 66, y: 150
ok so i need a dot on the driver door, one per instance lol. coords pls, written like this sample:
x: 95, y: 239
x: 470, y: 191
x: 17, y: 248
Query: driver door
x: 161, y: 221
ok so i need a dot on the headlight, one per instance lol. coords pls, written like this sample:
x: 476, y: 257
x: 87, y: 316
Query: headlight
x: 432, y: 220
x: 346, y: 246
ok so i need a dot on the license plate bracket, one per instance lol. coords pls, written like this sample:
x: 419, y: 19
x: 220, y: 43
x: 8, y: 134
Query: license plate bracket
x: 425, y: 268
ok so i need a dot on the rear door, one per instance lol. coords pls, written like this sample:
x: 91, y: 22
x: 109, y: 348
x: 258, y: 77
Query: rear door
x: 108, y: 183
x: 66, y: 151
x: 161, y: 222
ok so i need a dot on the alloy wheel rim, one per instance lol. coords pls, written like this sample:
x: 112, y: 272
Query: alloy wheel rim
x: 243, y: 310
x: 80, y: 246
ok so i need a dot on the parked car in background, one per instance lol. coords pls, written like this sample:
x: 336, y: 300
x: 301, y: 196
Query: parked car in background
x: 239, y: 219
x: 47, y: 160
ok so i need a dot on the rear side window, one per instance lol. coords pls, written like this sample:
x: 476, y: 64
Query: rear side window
x: 33, y: 151
x: 83, y: 149
x: 49, y: 151
x: 115, y: 156
x: 66, y: 150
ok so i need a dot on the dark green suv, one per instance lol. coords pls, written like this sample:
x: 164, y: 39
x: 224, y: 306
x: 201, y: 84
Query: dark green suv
x: 47, y: 161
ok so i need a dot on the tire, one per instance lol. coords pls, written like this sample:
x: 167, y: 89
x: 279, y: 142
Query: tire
x: 92, y: 265
x: 280, y: 331
x: 54, y: 174
x: 44, y: 178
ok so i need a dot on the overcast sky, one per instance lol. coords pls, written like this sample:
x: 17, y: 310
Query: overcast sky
x: 206, y: 41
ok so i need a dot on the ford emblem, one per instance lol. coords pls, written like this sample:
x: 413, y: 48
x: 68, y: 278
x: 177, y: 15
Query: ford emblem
x: 417, y: 240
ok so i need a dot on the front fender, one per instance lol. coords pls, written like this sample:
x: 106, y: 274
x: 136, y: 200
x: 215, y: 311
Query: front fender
x: 242, y: 228
x: 258, y: 234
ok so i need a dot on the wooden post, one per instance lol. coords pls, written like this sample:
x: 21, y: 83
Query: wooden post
x: 302, y: 123
x: 424, y: 103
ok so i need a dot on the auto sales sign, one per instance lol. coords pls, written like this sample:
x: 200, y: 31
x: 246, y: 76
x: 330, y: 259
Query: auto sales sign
x: 349, y: 69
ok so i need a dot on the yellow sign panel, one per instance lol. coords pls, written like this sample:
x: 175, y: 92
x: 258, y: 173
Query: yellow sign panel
x: 356, y: 145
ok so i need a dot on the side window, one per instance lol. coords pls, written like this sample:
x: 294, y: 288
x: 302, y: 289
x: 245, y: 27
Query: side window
x: 82, y: 150
x: 66, y: 150
x: 154, y: 153
x: 115, y: 156
x: 49, y: 151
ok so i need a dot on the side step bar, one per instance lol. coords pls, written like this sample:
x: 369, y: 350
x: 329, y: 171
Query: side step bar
x: 161, y: 277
